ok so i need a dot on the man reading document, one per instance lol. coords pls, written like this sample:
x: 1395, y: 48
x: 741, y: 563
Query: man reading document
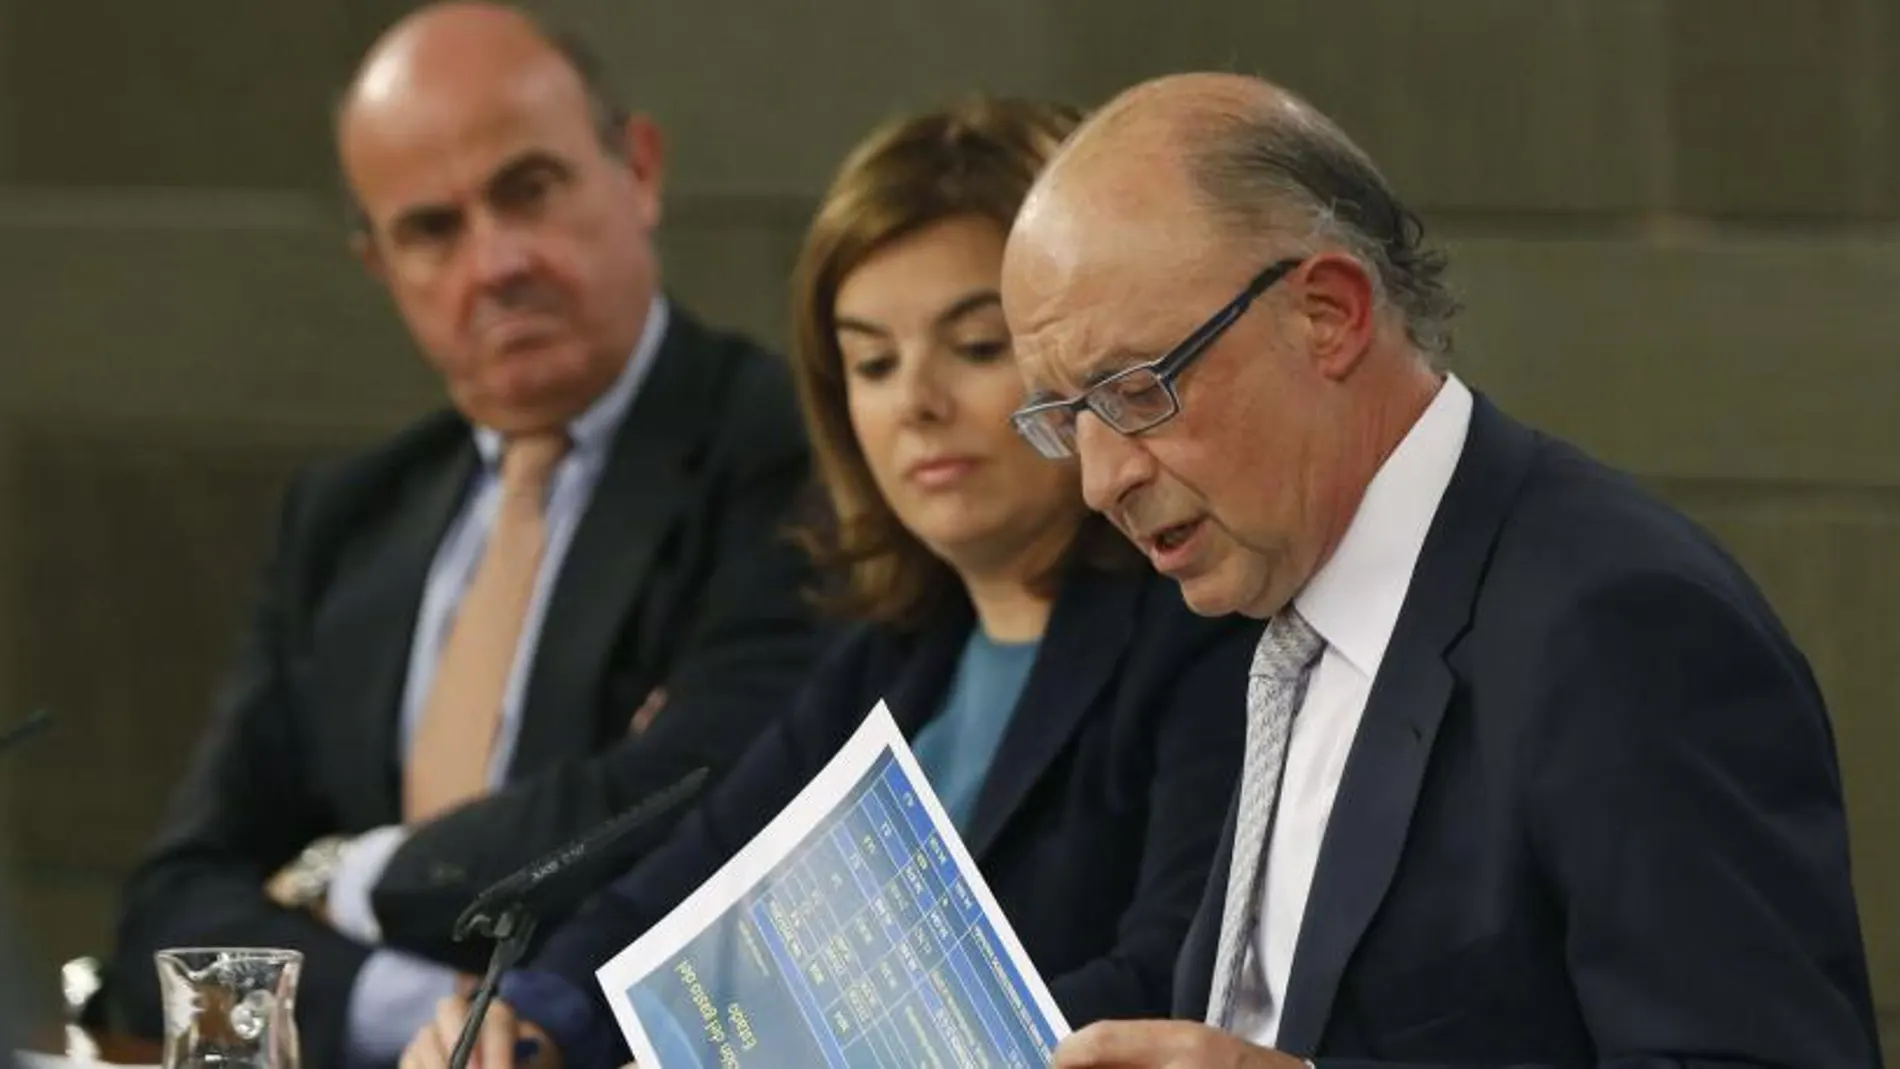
x: 1533, y: 775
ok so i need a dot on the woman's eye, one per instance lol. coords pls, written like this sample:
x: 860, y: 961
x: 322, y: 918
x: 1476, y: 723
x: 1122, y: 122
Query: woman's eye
x: 984, y: 351
x: 873, y: 368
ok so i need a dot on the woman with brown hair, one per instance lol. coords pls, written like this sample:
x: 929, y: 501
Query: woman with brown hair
x: 1082, y: 727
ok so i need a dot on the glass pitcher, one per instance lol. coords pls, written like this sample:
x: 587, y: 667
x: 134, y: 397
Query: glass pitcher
x: 230, y: 1008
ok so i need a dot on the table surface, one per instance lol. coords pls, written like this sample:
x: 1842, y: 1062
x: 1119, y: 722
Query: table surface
x: 114, y: 1048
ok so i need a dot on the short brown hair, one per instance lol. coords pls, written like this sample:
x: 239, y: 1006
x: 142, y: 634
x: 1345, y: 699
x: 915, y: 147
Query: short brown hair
x: 976, y: 157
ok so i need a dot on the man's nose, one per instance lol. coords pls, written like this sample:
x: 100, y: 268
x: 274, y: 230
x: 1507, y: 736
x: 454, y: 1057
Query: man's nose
x: 1112, y: 463
x: 501, y: 252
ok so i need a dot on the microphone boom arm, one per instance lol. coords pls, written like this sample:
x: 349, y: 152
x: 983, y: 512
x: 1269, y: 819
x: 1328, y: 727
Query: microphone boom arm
x: 505, y: 912
x: 482, y: 915
x: 515, y: 928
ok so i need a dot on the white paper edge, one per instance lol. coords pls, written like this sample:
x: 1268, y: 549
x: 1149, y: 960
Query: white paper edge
x: 756, y: 859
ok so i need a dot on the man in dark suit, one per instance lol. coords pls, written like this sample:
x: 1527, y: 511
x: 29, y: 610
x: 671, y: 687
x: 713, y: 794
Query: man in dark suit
x: 1534, y: 777
x: 519, y: 617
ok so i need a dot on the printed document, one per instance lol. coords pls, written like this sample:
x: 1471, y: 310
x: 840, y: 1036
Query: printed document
x: 853, y: 931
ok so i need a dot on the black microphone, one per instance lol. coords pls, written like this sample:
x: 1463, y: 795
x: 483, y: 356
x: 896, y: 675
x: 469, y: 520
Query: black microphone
x: 36, y: 721
x: 540, y: 883
x: 506, y: 911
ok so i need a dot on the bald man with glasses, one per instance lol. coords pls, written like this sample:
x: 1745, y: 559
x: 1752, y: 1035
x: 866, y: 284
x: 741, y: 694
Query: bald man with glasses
x: 1533, y: 775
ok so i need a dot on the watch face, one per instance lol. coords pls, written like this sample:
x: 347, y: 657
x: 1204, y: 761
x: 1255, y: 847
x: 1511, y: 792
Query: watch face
x: 310, y: 875
x: 316, y: 881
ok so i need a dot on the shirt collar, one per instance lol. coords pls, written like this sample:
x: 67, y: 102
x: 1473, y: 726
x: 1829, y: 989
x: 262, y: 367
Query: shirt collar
x: 1355, y: 598
x: 590, y: 431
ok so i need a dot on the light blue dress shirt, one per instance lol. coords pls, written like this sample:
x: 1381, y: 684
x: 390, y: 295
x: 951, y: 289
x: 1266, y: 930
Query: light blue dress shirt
x: 395, y: 994
x: 955, y: 749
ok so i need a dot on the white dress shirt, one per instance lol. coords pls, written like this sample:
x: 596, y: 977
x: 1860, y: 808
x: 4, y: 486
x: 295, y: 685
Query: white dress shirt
x: 1353, y: 602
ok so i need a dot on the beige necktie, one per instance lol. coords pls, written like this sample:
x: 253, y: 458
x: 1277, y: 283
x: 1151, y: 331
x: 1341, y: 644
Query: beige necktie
x: 448, y: 763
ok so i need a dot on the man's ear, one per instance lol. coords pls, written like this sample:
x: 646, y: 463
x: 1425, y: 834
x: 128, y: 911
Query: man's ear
x: 1340, y: 302
x: 367, y: 253
x: 644, y: 153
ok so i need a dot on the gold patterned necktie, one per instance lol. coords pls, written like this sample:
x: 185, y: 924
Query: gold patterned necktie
x: 454, y: 745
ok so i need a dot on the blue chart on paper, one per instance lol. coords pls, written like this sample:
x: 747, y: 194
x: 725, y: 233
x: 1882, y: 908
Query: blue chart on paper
x: 863, y: 947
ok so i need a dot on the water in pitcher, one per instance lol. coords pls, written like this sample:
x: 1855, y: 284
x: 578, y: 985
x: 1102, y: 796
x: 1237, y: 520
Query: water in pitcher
x: 230, y: 1008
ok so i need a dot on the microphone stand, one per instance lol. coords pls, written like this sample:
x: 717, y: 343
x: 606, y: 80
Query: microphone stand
x: 512, y: 929
x: 504, y: 911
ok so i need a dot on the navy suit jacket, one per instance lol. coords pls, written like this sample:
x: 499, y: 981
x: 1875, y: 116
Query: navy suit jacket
x: 1094, y: 829
x: 1592, y: 815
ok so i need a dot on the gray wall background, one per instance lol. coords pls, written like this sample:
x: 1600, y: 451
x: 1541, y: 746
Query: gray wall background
x: 1672, y: 221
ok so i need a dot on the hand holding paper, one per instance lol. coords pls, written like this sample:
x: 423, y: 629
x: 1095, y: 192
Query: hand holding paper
x: 1164, y: 1045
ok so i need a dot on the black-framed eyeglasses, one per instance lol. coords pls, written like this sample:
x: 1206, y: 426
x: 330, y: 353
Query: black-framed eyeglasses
x: 1142, y: 397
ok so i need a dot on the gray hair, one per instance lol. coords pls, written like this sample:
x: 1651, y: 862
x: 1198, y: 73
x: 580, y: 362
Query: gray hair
x: 1292, y: 171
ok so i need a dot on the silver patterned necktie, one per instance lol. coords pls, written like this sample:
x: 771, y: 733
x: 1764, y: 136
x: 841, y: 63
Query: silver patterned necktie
x: 1275, y: 686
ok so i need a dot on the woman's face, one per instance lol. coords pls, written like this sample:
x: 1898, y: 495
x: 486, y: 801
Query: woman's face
x: 930, y: 384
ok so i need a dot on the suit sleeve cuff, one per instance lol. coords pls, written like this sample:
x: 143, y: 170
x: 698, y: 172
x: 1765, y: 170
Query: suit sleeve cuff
x: 362, y: 863
x: 576, y: 1020
x: 395, y: 994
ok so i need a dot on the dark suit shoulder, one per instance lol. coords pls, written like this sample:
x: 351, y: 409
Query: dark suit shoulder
x: 334, y: 493
x: 1591, y: 579
x: 754, y: 400
x: 1578, y: 527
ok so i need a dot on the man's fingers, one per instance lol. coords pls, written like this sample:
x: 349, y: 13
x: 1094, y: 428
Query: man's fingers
x: 1134, y: 1044
x: 1157, y: 1045
x: 447, y: 1028
x: 494, y: 1048
x: 1163, y: 1045
x: 426, y: 1050
x: 536, y: 1048
x: 277, y: 888
x: 644, y: 716
x: 497, y: 1044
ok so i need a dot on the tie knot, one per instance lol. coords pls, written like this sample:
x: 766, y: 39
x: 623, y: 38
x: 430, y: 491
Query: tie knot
x: 527, y: 463
x: 1288, y: 647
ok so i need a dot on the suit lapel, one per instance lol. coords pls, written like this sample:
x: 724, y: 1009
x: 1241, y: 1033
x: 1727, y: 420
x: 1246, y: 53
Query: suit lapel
x: 1379, y: 788
x: 1366, y: 833
x: 1194, y: 966
x: 1089, y: 629
x: 641, y: 491
x: 370, y: 629
x: 915, y: 696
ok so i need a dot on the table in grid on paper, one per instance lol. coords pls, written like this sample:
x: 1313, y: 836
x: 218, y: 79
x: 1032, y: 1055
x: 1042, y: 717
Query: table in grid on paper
x: 863, y: 947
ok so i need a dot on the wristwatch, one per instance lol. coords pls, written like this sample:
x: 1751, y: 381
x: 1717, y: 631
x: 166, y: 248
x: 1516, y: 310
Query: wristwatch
x: 307, y: 879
